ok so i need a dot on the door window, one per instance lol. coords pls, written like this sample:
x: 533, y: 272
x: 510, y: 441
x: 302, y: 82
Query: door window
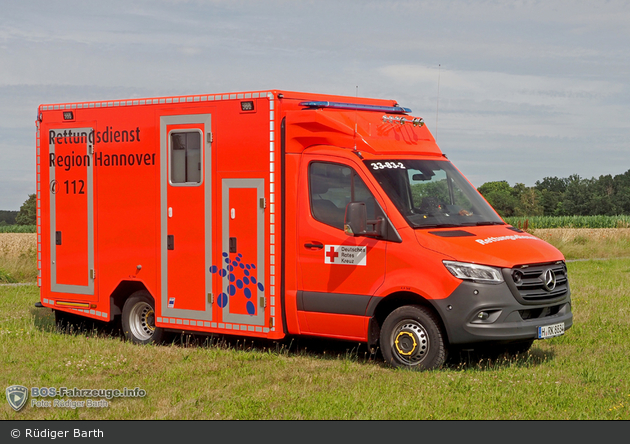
x: 333, y: 186
x: 185, y: 156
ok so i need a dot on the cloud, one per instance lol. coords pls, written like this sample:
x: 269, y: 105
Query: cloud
x: 520, y: 81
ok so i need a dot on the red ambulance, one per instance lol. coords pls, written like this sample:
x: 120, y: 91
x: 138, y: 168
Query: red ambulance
x: 273, y: 214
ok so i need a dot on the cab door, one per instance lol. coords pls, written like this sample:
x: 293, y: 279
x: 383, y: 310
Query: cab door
x: 337, y: 273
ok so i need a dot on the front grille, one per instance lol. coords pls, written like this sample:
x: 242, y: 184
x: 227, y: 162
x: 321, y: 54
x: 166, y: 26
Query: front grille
x: 530, y: 282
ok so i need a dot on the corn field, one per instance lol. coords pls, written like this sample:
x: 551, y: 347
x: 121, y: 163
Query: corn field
x: 17, y: 228
x: 537, y: 222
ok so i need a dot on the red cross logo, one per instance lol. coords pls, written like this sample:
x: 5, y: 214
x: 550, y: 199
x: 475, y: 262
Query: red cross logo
x: 332, y: 254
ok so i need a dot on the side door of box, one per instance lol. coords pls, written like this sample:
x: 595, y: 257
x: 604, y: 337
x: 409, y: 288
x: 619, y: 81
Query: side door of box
x: 186, y: 220
x: 72, y: 227
x: 241, y: 296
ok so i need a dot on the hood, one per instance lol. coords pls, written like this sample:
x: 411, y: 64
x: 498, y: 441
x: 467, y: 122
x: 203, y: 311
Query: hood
x: 495, y: 245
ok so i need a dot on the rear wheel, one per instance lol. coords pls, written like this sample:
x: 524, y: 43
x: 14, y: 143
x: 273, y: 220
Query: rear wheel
x: 138, y: 319
x: 411, y: 338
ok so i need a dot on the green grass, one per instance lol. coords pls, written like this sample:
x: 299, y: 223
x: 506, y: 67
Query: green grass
x: 581, y: 375
x: 535, y: 222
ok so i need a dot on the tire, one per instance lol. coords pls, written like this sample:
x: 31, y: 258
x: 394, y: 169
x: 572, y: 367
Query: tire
x: 138, y: 319
x: 411, y: 338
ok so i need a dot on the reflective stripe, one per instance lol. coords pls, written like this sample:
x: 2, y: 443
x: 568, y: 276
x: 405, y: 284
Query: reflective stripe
x: 272, y: 198
x: 156, y: 101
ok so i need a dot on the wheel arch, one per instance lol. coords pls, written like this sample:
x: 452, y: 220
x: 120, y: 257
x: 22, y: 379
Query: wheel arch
x: 121, y: 294
x: 380, y: 308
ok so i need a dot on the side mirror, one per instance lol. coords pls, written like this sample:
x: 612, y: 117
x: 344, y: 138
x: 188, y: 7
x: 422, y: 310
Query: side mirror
x: 356, y: 222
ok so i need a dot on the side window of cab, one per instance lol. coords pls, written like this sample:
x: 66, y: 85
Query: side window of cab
x: 332, y: 186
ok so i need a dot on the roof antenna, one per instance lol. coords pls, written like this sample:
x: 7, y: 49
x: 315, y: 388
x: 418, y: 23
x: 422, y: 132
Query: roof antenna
x: 356, y: 118
x: 437, y: 106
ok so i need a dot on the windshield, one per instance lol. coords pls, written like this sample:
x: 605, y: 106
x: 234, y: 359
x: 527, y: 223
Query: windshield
x: 432, y: 194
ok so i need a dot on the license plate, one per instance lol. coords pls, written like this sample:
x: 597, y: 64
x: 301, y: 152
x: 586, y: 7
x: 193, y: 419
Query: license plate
x: 549, y: 331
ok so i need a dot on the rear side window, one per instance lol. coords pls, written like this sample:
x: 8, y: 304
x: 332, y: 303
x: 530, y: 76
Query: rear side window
x: 185, y: 157
x: 333, y: 186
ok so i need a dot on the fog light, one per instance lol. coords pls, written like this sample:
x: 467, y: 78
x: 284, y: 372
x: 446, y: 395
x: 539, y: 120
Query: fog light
x: 517, y: 276
x: 483, y: 315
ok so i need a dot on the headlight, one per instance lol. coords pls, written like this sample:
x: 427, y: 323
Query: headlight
x: 474, y: 272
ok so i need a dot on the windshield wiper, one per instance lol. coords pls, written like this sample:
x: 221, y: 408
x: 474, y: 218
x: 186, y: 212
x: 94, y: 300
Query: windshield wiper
x: 471, y: 224
x: 440, y: 226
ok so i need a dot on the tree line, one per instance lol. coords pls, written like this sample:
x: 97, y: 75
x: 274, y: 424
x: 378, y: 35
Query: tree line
x: 26, y: 216
x: 553, y: 196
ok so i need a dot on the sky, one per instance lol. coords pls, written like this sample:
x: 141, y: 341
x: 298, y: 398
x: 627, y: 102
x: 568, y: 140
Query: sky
x: 512, y: 90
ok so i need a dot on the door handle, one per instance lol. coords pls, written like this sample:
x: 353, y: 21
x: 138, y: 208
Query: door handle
x: 316, y: 246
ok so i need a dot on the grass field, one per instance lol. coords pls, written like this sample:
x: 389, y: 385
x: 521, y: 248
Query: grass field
x: 580, y: 243
x: 581, y: 375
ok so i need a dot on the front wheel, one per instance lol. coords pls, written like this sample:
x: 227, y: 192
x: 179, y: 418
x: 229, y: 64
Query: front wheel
x: 411, y: 338
x: 138, y: 319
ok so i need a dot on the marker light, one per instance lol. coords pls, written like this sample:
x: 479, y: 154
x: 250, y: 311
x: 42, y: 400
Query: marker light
x: 474, y: 272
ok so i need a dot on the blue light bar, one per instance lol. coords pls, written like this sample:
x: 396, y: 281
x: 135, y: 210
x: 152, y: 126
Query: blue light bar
x: 357, y: 107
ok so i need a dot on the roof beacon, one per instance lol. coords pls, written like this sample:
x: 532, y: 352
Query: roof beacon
x: 357, y: 107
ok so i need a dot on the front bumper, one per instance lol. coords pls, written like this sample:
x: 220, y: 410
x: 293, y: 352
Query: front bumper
x: 508, y: 319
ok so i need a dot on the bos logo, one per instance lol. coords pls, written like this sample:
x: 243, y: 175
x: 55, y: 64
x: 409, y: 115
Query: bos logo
x: 17, y: 396
x: 241, y: 281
